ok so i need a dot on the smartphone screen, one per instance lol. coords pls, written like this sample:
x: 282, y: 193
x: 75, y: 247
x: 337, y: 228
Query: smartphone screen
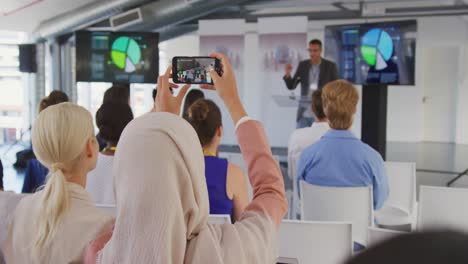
x: 194, y: 70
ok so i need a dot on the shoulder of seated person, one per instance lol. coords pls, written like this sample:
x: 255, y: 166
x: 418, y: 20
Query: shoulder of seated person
x: 373, y: 154
x: 234, y: 168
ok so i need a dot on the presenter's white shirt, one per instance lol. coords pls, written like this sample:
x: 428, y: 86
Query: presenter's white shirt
x: 100, y: 183
x: 302, y: 138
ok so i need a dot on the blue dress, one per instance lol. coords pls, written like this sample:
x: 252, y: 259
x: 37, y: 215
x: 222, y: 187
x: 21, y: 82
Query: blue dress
x: 34, y: 177
x: 216, y: 176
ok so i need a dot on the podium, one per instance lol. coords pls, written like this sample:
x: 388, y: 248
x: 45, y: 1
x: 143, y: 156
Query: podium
x: 291, y: 100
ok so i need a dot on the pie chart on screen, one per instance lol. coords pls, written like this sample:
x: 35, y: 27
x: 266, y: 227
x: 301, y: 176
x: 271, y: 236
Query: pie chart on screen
x: 377, y: 48
x: 125, y: 53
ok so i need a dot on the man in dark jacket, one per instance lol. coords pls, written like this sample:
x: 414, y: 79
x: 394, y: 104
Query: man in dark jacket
x: 313, y: 74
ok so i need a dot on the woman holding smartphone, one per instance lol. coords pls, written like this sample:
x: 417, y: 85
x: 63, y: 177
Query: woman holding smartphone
x: 163, y: 217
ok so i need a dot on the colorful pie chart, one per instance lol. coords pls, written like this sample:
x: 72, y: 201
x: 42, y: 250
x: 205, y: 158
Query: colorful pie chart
x: 377, y: 48
x: 125, y: 53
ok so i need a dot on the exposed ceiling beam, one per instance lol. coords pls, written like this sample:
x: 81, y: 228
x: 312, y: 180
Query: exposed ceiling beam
x: 340, y: 6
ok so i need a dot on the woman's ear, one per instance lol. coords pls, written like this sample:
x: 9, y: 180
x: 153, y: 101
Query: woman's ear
x: 219, y: 132
x: 91, y: 147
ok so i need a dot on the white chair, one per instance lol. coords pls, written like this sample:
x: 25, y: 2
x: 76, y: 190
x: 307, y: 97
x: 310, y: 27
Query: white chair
x: 314, y: 242
x: 399, y: 210
x: 442, y: 208
x: 348, y: 204
x: 219, y: 219
x: 110, y: 208
x: 377, y: 235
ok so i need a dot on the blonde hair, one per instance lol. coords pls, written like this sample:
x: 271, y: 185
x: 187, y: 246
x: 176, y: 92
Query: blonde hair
x: 59, y: 136
x: 340, y: 99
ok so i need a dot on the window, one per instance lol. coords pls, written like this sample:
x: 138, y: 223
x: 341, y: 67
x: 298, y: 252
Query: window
x: 90, y: 96
x: 13, y: 87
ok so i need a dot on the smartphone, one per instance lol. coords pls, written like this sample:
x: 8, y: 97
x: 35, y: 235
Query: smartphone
x: 194, y: 70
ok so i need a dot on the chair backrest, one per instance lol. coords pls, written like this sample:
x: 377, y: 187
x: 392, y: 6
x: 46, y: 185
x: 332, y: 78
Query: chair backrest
x: 219, y: 219
x: 110, y: 208
x: 315, y: 242
x: 347, y: 204
x: 377, y: 235
x: 442, y: 207
x: 402, y: 184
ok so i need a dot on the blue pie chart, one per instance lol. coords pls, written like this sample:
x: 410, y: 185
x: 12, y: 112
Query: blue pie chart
x: 377, y: 48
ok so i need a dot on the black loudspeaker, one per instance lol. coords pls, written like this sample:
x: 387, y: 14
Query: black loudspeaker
x: 27, y: 58
x: 374, y: 117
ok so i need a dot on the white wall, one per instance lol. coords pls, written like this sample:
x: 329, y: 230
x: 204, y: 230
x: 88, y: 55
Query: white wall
x: 405, y: 116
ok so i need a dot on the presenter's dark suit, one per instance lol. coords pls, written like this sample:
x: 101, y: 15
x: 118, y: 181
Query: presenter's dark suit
x: 328, y: 73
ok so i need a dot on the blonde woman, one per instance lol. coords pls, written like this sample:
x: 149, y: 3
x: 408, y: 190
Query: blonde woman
x: 55, y: 224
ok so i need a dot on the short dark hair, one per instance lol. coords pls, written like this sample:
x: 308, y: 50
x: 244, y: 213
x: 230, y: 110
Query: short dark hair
x: 428, y: 247
x: 205, y: 117
x: 191, y: 97
x: 117, y: 93
x: 55, y: 97
x: 317, y: 105
x: 316, y: 42
x: 111, y: 119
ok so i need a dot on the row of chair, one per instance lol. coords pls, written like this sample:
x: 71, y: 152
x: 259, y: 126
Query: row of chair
x: 326, y: 241
x: 439, y: 207
x: 399, y: 210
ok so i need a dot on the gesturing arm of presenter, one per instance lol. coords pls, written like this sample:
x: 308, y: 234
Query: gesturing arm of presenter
x: 291, y: 82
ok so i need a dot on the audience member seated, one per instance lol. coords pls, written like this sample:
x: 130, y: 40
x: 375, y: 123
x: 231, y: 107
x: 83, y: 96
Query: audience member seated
x: 35, y: 174
x: 111, y: 119
x: 161, y: 194
x: 227, y: 189
x: 304, y: 137
x: 117, y: 93
x: 55, y: 97
x: 434, y: 247
x: 339, y: 158
x: 55, y: 224
x: 192, y: 96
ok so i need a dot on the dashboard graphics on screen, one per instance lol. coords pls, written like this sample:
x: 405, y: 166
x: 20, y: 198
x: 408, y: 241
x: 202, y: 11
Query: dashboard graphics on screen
x: 374, y: 53
x: 127, y: 57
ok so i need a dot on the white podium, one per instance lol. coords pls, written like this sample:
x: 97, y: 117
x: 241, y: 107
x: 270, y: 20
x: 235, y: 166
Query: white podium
x: 291, y: 100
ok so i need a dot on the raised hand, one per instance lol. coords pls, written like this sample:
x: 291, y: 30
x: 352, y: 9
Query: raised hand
x: 165, y: 101
x: 226, y: 87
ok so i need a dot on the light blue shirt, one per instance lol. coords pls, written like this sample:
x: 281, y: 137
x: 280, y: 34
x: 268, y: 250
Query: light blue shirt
x: 339, y: 159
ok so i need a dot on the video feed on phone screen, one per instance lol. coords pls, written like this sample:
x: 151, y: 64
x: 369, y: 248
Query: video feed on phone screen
x: 195, y: 70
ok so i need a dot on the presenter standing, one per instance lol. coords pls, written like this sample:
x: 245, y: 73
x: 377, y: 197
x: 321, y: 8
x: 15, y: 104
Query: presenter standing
x: 313, y: 74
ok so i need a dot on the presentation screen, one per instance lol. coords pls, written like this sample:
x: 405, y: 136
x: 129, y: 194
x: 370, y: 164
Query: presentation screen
x: 125, y: 57
x: 374, y: 53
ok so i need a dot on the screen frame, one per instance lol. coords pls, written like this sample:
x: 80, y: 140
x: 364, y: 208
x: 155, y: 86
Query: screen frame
x: 82, y: 57
x: 400, y: 23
